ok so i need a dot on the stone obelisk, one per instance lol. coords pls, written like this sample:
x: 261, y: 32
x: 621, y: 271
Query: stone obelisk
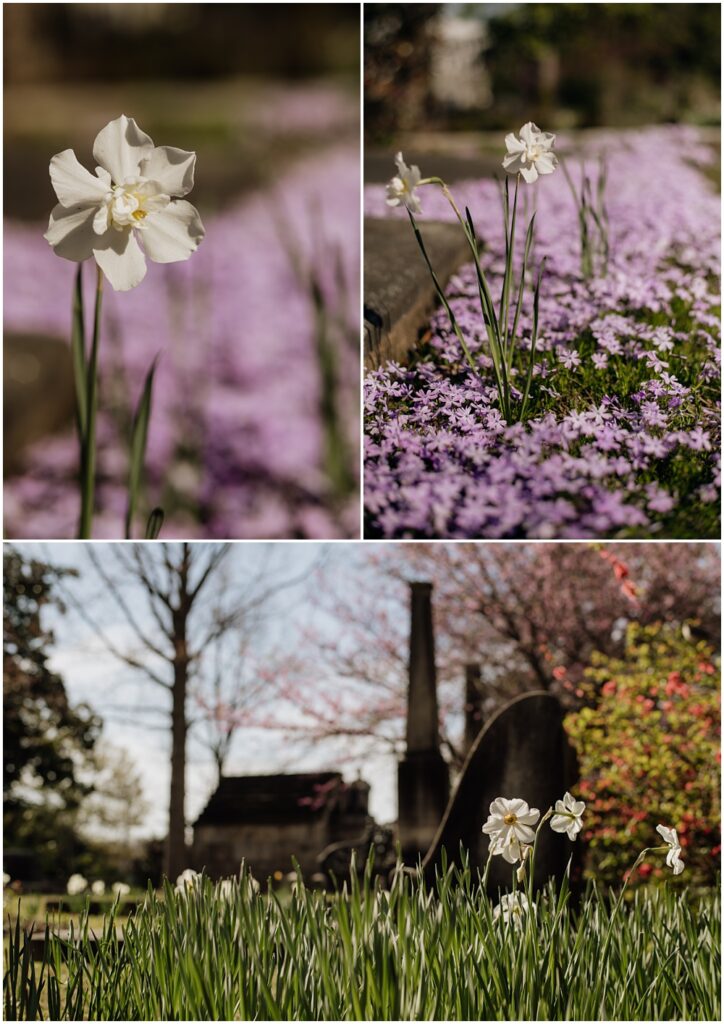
x: 423, y: 782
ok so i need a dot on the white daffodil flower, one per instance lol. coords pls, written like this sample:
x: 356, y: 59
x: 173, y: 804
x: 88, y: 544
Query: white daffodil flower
x: 187, y: 880
x: 673, y: 855
x: 401, y: 189
x: 530, y: 153
x: 510, y: 823
x: 568, y: 816
x: 76, y: 885
x: 98, y: 888
x: 132, y: 195
x: 120, y: 888
x: 512, y: 908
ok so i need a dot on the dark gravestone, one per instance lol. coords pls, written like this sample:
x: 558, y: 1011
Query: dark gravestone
x: 522, y: 752
x: 399, y: 295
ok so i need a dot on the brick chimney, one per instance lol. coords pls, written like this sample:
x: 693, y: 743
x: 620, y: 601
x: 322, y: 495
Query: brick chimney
x: 423, y: 783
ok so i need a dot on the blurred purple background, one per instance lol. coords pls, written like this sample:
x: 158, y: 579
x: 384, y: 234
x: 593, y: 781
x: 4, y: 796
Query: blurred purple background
x: 254, y: 429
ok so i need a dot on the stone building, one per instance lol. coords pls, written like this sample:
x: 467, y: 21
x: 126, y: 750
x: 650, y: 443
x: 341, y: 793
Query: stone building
x: 266, y: 820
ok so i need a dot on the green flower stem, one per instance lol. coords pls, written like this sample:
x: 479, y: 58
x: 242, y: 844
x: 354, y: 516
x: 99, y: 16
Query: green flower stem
x: 530, y: 864
x: 88, y: 460
x: 441, y: 295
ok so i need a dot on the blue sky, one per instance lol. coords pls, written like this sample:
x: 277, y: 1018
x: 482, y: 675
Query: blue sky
x: 124, y: 698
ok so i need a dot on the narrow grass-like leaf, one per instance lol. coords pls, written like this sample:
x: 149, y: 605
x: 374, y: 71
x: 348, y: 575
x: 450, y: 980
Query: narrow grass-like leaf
x: 139, y: 439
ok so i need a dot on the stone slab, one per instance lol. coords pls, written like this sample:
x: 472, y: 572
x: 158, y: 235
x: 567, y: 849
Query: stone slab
x: 399, y: 295
x: 523, y: 751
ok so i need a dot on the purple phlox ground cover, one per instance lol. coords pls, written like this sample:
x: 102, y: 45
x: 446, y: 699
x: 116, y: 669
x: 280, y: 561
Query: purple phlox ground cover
x: 236, y: 441
x: 624, y: 435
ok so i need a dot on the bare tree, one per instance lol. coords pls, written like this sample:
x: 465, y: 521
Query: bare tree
x: 198, y: 616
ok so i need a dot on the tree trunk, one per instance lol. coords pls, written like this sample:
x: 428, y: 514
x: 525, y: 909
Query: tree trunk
x: 175, y: 855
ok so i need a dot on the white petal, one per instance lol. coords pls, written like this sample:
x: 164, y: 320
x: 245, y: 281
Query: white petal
x: 530, y: 174
x: 73, y: 184
x: 121, y: 259
x: 528, y: 133
x: 560, y: 822
x: 514, y: 144
x: 523, y: 833
x: 513, y: 163
x: 668, y: 835
x: 120, y: 147
x: 70, y: 231
x: 546, y: 163
x: 500, y: 806
x: 678, y: 867
x: 174, y: 233
x: 102, y: 219
x: 172, y: 168
x: 529, y: 816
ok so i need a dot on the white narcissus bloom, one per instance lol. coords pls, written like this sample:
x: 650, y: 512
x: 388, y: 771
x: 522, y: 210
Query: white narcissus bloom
x: 120, y: 888
x: 226, y: 888
x: 401, y: 189
x: 76, y: 885
x: 131, y: 196
x: 512, y: 908
x: 530, y: 153
x: 509, y: 825
x: 673, y: 855
x: 568, y: 816
x: 187, y: 880
x: 98, y: 888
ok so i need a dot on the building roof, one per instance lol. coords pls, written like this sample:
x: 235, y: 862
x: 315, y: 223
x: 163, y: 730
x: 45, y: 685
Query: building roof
x: 258, y: 799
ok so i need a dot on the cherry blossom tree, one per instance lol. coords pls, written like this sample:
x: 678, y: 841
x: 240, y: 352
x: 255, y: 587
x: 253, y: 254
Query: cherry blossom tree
x: 529, y: 615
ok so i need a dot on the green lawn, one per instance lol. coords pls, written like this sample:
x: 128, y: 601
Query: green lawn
x: 412, y: 952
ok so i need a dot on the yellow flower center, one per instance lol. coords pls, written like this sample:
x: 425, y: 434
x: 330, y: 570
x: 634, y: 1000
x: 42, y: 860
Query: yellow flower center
x: 510, y: 819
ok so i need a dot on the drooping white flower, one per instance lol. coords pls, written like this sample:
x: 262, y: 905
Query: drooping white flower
x: 568, y: 816
x: 530, y: 153
x: 120, y: 888
x: 131, y: 196
x: 509, y: 825
x: 401, y: 189
x: 509, y: 848
x: 187, y: 880
x: 76, y: 885
x: 673, y: 855
x: 512, y: 908
x: 6, y: 879
x: 98, y: 887
x: 226, y: 888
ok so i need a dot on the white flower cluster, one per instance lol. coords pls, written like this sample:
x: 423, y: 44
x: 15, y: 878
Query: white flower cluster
x: 510, y: 825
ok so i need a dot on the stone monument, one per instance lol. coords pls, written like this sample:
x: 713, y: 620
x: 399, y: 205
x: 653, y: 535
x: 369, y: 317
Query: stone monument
x: 423, y: 778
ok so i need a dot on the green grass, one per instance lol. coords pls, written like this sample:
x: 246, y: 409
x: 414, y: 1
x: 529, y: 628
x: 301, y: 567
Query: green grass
x: 412, y: 952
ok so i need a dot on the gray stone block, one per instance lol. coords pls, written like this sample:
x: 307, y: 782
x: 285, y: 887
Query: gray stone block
x: 399, y: 295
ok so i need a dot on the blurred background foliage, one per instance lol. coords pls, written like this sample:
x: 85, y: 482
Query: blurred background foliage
x: 494, y: 66
x: 207, y: 76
